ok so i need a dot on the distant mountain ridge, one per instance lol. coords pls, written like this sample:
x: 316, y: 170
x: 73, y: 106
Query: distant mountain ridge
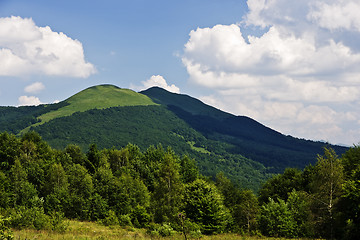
x: 245, y: 150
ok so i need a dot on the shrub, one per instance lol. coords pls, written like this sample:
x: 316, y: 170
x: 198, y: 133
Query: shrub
x: 125, y: 220
x: 111, y: 219
x: 57, y: 221
x: 166, y: 230
x: 5, y: 231
x: 34, y: 217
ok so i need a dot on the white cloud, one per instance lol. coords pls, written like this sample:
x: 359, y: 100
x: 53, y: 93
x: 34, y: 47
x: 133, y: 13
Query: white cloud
x: 297, y: 74
x: 335, y: 15
x: 29, y: 101
x: 36, y: 87
x: 28, y: 49
x: 159, y: 81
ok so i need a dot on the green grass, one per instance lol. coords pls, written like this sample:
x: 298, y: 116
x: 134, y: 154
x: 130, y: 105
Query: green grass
x: 97, y: 97
x: 94, y: 231
x: 198, y: 149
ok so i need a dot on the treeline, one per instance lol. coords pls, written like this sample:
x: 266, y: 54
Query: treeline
x: 164, y: 193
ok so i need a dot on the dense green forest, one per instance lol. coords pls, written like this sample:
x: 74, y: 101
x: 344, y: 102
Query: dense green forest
x: 156, y: 189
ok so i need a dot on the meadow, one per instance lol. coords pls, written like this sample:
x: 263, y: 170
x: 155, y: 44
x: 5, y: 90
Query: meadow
x: 93, y: 231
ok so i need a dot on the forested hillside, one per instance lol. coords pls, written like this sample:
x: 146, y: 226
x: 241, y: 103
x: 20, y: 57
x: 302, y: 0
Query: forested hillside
x: 245, y: 150
x: 158, y: 190
x: 248, y: 137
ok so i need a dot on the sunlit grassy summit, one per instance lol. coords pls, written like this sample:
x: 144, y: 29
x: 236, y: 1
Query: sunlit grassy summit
x: 98, y: 97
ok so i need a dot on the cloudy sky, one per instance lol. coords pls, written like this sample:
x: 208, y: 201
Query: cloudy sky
x: 292, y: 65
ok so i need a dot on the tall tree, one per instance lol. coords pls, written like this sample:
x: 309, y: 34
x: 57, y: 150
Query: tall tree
x: 168, y: 190
x: 56, y: 188
x: 80, y: 191
x: 326, y: 189
x: 351, y: 194
x: 9, y: 150
x: 204, y: 205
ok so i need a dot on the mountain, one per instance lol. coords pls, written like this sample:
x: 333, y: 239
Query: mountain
x: 247, y: 136
x: 245, y: 150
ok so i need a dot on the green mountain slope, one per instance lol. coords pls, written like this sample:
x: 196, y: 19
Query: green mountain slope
x: 249, y: 138
x: 98, y: 97
x: 245, y: 150
x: 186, y: 103
x: 151, y: 125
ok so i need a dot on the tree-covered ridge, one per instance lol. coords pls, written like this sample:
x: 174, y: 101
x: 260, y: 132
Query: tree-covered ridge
x: 151, y: 125
x: 162, y: 192
x: 249, y: 137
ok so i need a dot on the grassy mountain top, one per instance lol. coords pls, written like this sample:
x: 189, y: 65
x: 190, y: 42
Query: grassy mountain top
x: 98, y: 97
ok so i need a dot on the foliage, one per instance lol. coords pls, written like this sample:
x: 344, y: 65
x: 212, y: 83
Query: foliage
x: 246, y: 151
x: 326, y: 189
x: 33, y: 217
x: 280, y: 185
x: 5, y: 231
x: 168, y: 190
x: 203, y: 204
x: 276, y: 219
x: 112, y: 219
x: 350, y: 204
x: 40, y: 188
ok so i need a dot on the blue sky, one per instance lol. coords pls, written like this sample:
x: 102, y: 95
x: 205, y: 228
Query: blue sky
x: 291, y: 65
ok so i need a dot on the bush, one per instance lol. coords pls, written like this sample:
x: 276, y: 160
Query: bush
x: 140, y: 217
x: 34, y: 217
x: 276, y: 220
x: 166, y: 230
x: 125, y: 220
x: 111, y: 219
x: 57, y: 221
x: 5, y: 231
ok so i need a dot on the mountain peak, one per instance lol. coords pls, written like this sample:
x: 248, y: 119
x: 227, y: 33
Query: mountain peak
x: 97, y: 97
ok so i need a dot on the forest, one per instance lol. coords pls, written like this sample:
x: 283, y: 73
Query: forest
x: 164, y: 193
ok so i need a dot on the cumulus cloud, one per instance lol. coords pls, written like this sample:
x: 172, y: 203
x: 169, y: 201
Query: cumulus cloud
x: 36, y: 87
x: 293, y: 74
x: 29, y: 101
x: 335, y: 15
x: 28, y: 49
x: 159, y: 81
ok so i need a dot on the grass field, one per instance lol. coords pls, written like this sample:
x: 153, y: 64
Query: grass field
x: 94, y: 231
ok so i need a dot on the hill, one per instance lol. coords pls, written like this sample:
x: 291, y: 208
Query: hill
x: 247, y: 136
x: 245, y: 150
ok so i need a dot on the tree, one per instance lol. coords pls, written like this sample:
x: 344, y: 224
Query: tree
x: 4, y: 191
x: 56, y: 188
x: 276, y: 219
x: 244, y: 213
x: 9, y: 150
x: 203, y: 204
x: 279, y: 186
x: 77, y: 157
x: 93, y: 158
x: 326, y: 189
x: 80, y: 191
x: 188, y: 169
x: 350, y: 203
x: 168, y: 190
x: 299, y: 206
x: 23, y: 191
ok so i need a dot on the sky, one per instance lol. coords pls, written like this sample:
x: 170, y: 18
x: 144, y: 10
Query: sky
x: 292, y: 65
